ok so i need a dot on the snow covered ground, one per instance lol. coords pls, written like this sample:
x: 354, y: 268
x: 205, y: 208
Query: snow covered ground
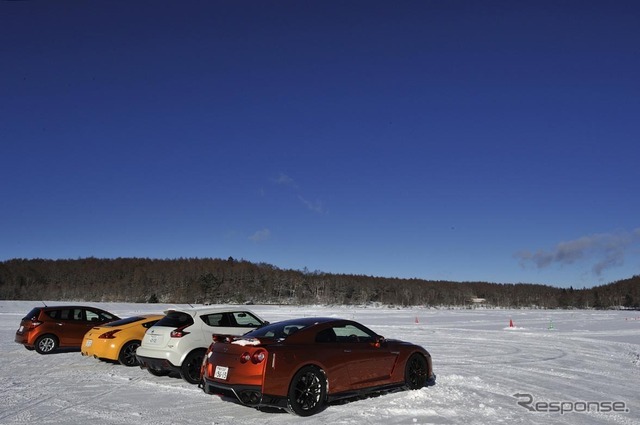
x: 557, y: 360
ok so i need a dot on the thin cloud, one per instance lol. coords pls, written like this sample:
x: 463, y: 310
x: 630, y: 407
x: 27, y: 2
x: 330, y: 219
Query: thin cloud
x: 285, y: 180
x: 605, y: 250
x: 261, y: 235
x: 316, y: 206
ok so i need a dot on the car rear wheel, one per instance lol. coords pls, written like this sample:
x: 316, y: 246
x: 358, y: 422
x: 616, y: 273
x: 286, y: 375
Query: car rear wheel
x: 190, y: 369
x: 45, y: 344
x: 127, y: 356
x: 308, y: 391
x: 415, y: 372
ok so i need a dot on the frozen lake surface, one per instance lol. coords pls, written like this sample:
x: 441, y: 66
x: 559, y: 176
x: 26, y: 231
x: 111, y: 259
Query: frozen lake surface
x: 556, y: 360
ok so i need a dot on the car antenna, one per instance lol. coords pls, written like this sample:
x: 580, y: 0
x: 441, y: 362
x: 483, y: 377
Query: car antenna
x: 191, y: 305
x: 44, y: 303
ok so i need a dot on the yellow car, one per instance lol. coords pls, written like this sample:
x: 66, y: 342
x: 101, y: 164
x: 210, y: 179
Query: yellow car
x: 119, y: 340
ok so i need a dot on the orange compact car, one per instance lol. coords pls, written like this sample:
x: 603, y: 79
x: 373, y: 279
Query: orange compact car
x: 300, y: 365
x: 46, y: 329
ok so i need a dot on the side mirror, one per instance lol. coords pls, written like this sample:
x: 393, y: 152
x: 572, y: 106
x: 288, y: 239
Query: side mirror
x: 379, y: 341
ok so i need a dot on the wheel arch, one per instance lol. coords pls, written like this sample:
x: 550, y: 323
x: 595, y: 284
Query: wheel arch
x: 310, y: 362
x: 317, y: 365
x: 408, y: 370
x: 123, y: 344
x: 422, y: 352
x: 49, y: 334
x: 188, y: 353
x: 130, y: 340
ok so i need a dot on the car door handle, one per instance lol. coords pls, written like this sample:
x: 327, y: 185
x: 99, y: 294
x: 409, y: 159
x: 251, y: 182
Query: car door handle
x: 347, y: 351
x: 59, y: 324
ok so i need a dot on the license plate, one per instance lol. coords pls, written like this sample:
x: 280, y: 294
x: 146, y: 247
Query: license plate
x: 153, y: 339
x: 221, y: 372
x: 88, y: 343
x: 21, y: 329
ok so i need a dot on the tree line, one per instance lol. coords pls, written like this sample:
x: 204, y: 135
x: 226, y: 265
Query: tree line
x: 219, y: 281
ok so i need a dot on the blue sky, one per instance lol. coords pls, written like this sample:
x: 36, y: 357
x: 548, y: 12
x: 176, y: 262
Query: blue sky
x: 456, y: 140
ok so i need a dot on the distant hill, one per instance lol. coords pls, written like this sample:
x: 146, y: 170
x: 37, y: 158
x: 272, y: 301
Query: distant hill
x: 208, y: 280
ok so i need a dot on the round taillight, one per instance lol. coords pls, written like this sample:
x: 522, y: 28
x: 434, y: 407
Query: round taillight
x: 245, y: 357
x: 259, y: 356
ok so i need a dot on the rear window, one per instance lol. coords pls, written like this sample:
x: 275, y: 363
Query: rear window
x: 175, y: 319
x: 278, y: 330
x: 33, y: 314
x: 149, y: 324
x: 126, y: 321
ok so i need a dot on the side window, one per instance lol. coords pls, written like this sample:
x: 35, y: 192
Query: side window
x: 54, y: 314
x: 66, y: 314
x: 326, y: 335
x: 245, y: 319
x: 77, y: 314
x: 351, y: 333
x: 104, y: 316
x: 92, y: 316
x: 213, y: 319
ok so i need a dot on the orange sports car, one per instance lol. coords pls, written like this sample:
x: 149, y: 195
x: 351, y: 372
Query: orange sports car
x: 302, y: 364
x: 119, y: 340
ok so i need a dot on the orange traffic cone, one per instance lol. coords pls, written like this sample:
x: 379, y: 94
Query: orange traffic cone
x: 417, y: 321
x: 510, y: 323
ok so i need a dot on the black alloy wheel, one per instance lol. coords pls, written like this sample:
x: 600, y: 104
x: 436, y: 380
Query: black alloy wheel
x: 308, y: 391
x: 190, y: 369
x: 415, y: 372
x: 127, y: 356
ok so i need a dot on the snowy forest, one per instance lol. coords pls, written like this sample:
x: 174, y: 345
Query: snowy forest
x: 217, y: 281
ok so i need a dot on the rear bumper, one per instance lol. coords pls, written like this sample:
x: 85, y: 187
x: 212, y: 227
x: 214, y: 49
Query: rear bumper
x: 157, y: 364
x: 249, y: 395
x: 174, y: 356
x: 100, y: 350
x: 23, y: 339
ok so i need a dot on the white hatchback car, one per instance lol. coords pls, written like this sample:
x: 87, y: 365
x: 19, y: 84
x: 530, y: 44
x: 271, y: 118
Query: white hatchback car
x: 178, y: 342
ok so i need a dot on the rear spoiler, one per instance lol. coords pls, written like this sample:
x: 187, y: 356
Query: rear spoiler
x: 223, y: 338
x: 234, y: 339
